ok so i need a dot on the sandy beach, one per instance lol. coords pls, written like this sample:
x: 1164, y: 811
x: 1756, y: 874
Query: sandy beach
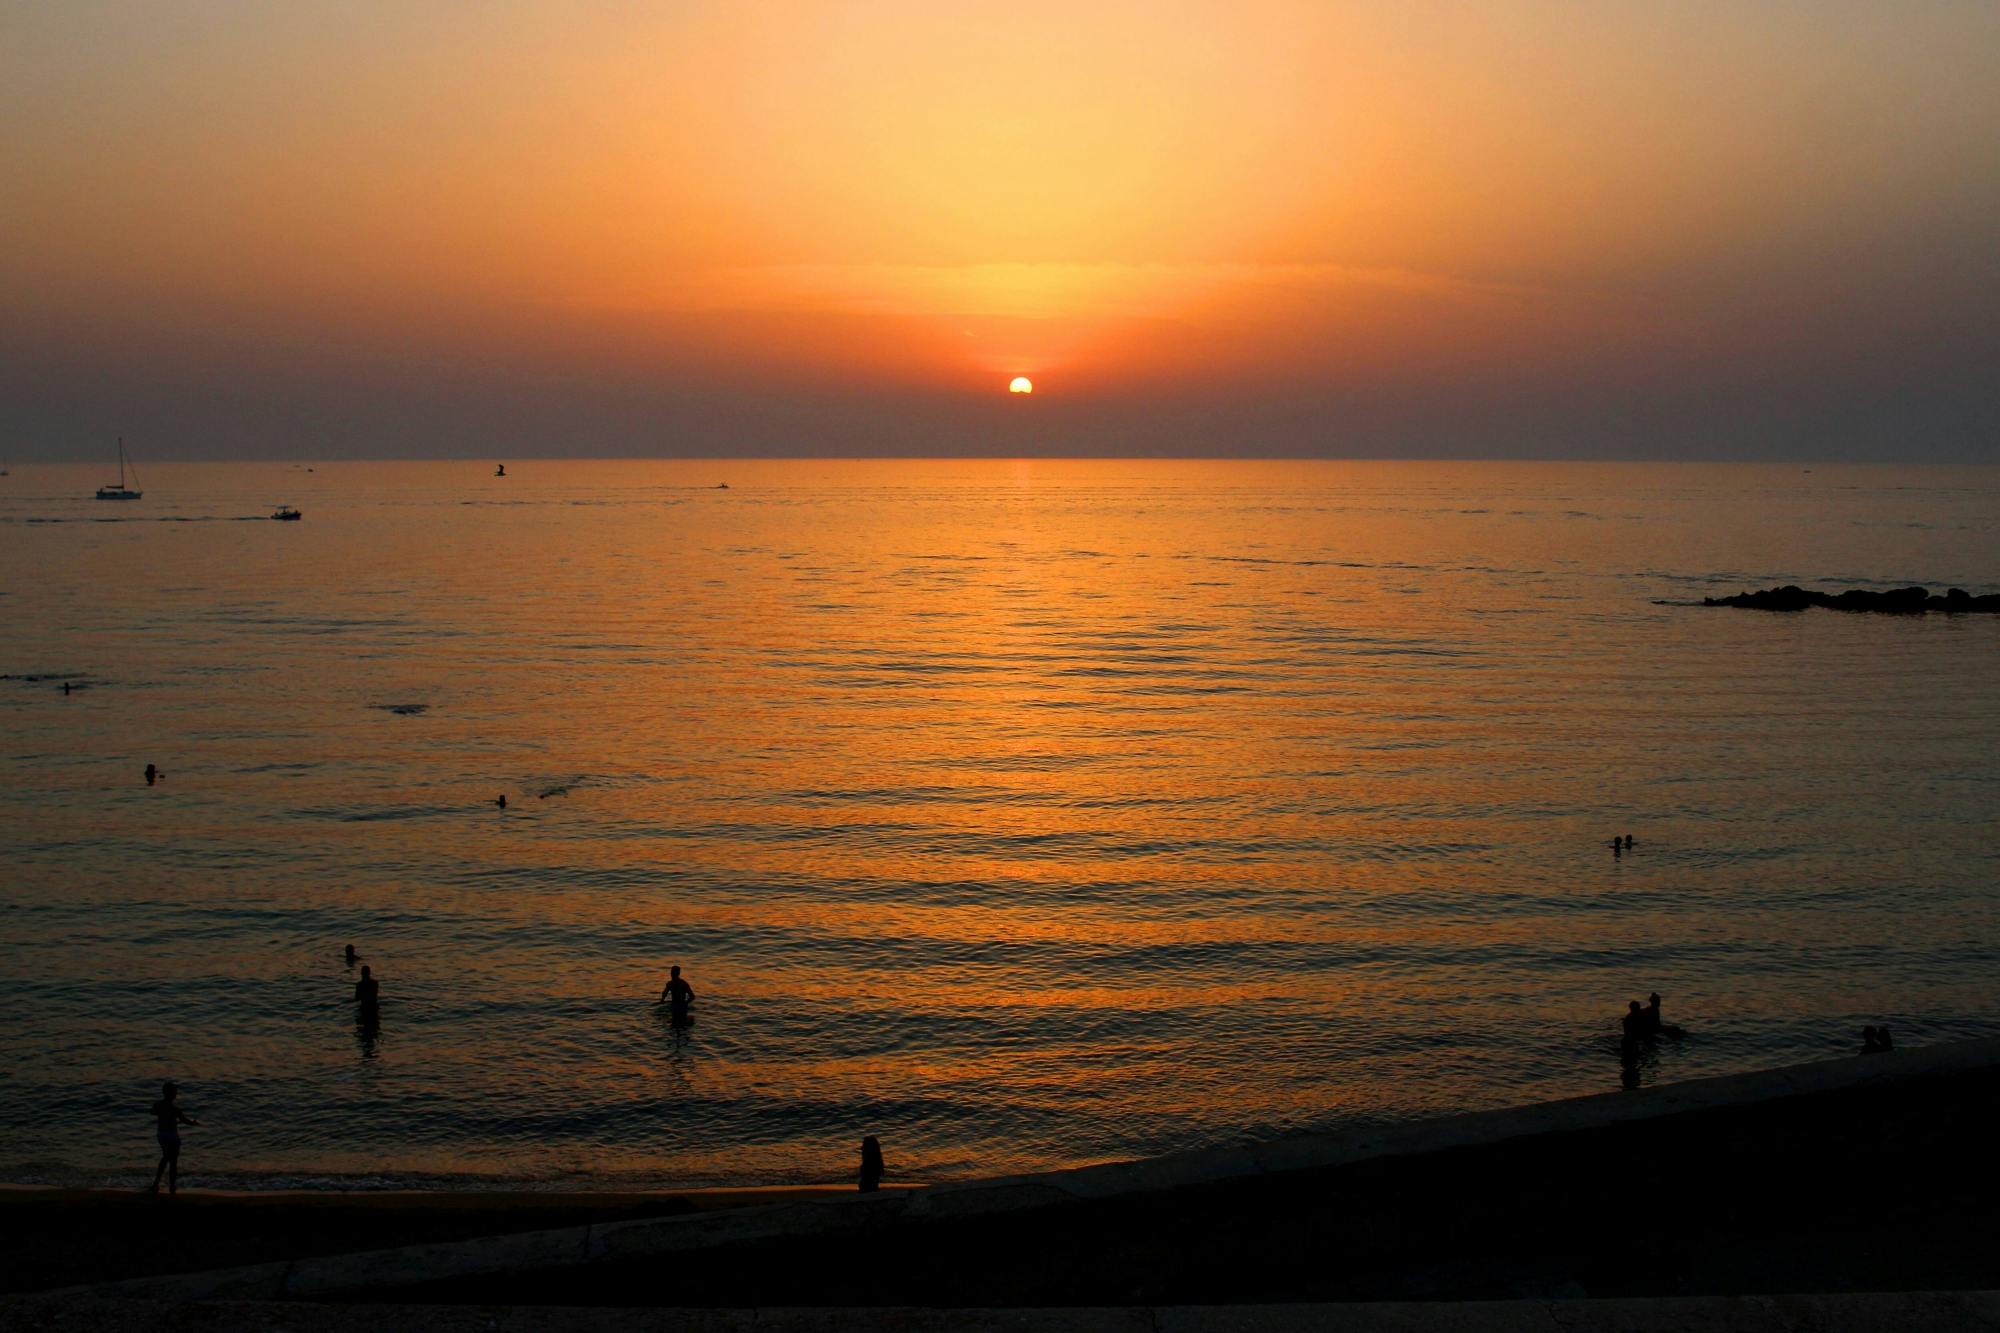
x: 63, y: 1237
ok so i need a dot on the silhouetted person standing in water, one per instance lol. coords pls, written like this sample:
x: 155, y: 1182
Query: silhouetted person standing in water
x: 871, y: 1164
x: 1634, y: 1022
x: 169, y: 1117
x: 501, y: 800
x: 1650, y: 1024
x: 366, y: 990
x: 1631, y: 1044
x: 152, y: 775
x: 677, y: 995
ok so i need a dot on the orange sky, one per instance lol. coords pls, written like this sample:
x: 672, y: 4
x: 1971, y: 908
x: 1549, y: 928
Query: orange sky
x: 1369, y: 227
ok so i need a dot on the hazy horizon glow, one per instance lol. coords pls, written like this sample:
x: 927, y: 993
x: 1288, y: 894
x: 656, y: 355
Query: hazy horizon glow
x: 1719, y: 231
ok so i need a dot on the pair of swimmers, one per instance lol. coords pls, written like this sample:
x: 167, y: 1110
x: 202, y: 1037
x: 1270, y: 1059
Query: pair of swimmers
x: 1642, y: 1022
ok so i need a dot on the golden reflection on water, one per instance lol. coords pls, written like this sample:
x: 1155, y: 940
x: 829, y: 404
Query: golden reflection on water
x: 1023, y: 813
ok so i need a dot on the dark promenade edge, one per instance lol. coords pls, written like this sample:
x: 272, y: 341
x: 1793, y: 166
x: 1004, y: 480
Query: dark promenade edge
x: 1867, y: 1174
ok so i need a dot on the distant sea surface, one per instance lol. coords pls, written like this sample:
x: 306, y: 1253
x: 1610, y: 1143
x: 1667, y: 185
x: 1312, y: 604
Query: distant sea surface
x: 1022, y: 814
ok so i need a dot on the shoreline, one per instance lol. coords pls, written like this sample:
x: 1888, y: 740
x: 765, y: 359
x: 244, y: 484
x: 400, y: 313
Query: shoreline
x: 734, y: 1195
x: 1842, y: 1175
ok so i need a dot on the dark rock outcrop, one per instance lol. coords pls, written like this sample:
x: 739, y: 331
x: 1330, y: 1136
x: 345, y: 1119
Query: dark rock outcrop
x: 1896, y: 601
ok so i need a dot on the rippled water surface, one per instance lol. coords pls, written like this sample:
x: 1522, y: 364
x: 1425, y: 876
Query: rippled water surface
x: 1024, y: 814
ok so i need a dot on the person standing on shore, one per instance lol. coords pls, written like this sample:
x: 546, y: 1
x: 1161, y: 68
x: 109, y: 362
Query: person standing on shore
x: 871, y: 1164
x: 169, y: 1118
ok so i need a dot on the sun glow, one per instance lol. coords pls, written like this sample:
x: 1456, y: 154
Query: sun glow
x: 1371, y: 223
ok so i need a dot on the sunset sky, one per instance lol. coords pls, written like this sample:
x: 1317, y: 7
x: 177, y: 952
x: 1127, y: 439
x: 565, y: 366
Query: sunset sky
x: 1250, y: 227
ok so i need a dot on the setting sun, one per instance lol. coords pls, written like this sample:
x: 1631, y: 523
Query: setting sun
x: 1020, y: 384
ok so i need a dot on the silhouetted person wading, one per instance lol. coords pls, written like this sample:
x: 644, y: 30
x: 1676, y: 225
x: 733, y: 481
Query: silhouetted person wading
x: 1650, y: 1023
x: 677, y: 995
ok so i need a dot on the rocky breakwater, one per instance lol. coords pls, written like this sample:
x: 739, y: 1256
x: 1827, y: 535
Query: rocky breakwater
x: 1896, y: 601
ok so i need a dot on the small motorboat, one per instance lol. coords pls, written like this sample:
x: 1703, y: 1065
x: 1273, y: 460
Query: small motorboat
x: 287, y: 514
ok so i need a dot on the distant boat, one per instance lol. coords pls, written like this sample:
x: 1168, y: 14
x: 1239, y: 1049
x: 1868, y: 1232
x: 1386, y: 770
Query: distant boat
x: 121, y: 491
x: 287, y: 514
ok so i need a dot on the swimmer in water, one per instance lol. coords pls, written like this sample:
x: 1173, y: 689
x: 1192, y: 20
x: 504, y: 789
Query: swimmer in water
x: 153, y: 775
x: 1633, y: 1024
x: 1651, y: 1024
x: 677, y: 994
x: 351, y: 955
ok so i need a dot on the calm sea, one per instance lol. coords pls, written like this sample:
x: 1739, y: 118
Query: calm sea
x: 1020, y: 813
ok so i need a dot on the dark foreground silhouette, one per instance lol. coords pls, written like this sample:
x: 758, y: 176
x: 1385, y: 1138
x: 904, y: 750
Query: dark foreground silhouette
x: 871, y: 1164
x: 1897, y: 601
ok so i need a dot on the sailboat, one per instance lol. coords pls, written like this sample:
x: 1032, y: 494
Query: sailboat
x: 120, y: 491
